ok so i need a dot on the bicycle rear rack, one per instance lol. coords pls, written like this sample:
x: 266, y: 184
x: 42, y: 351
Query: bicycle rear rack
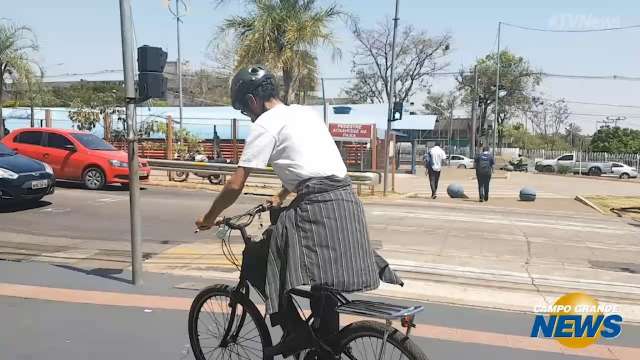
x: 372, y: 309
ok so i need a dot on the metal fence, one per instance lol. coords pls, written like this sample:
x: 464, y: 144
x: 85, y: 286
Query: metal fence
x: 628, y: 159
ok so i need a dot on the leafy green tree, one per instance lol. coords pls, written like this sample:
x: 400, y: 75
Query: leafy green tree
x: 282, y: 34
x: 517, y: 82
x: 17, y: 47
x: 90, y: 102
x: 616, y: 140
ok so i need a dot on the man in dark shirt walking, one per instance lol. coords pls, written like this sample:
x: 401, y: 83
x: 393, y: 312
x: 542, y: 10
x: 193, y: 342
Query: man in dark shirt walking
x: 484, y: 163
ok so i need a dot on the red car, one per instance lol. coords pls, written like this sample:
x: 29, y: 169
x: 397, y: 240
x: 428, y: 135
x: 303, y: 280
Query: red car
x: 75, y: 155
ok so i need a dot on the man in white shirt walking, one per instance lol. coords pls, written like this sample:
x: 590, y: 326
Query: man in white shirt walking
x: 433, y: 163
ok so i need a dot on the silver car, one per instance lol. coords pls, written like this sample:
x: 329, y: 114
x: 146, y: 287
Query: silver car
x: 624, y: 171
x: 460, y: 162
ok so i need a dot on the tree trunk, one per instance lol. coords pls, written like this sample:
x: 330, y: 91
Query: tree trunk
x: 1, y: 96
x: 287, y: 81
x: 33, y: 116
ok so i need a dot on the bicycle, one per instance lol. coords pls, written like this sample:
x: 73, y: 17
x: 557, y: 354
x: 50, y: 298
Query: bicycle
x: 238, y: 330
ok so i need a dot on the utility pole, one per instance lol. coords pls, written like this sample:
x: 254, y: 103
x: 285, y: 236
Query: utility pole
x: 474, y: 113
x: 615, y: 119
x: 390, y: 99
x: 134, y: 180
x: 495, y: 123
x: 324, y: 104
x: 178, y: 17
x: 450, y: 125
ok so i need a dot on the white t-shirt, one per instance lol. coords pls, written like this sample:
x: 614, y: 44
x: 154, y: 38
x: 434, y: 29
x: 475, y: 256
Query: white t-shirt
x: 297, y: 144
x: 437, y: 155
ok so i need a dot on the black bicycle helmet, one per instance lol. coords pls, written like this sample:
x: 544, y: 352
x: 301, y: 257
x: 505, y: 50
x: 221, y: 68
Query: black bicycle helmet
x: 245, y: 82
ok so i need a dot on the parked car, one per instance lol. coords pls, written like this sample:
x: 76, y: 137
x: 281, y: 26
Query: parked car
x: 576, y: 167
x: 22, y: 178
x: 624, y: 171
x: 460, y: 162
x: 75, y: 156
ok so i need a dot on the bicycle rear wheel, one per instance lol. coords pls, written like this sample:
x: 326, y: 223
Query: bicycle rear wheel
x: 363, y: 340
x: 218, y: 311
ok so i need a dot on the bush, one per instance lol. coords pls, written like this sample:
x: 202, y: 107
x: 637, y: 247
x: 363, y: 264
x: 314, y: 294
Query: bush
x: 563, y: 169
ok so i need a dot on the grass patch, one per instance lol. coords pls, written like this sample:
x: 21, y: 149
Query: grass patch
x: 614, y: 204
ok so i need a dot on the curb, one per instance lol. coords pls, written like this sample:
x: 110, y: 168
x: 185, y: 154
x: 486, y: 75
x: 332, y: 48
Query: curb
x: 588, y: 203
x: 514, y: 280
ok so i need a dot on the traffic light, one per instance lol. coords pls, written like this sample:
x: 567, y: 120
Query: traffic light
x: 397, y: 111
x: 151, y: 82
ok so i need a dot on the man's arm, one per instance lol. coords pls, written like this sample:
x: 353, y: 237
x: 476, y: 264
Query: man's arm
x: 229, y: 194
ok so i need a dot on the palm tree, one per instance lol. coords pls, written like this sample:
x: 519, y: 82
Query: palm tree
x: 283, y: 35
x: 17, y: 44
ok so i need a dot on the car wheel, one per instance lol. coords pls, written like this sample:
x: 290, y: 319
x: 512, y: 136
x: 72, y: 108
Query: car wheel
x: 594, y: 171
x: 462, y: 166
x: 93, y: 178
x: 547, y: 169
x: 624, y: 176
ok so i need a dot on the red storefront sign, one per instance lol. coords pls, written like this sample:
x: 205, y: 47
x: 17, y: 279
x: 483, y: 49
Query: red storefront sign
x: 351, y: 132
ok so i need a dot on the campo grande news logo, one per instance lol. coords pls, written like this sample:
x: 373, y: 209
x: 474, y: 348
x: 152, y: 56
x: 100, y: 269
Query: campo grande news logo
x: 576, y: 320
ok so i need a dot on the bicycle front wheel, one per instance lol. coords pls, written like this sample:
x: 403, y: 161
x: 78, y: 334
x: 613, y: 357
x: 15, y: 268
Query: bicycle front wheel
x: 224, y: 324
x: 363, y: 340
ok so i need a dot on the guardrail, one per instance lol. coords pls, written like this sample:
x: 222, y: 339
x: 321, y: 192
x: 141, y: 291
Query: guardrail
x: 358, y: 178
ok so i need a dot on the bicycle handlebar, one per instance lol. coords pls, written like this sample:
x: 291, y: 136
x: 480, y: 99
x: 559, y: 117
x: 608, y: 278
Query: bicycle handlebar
x: 230, y: 221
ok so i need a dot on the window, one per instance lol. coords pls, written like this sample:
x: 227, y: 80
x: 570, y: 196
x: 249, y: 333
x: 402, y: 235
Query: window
x: 57, y: 141
x: 30, y: 137
x: 616, y: 165
x: 455, y: 157
x: 566, y: 158
x: 93, y: 142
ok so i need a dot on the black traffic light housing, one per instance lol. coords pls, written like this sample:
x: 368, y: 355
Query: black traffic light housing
x: 397, y: 111
x: 151, y: 81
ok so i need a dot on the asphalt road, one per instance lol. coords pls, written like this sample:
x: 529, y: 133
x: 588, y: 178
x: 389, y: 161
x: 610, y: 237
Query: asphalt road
x: 62, y: 329
x: 461, y: 233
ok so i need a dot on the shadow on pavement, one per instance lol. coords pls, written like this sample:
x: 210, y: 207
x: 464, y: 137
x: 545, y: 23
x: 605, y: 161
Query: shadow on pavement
x: 22, y: 206
x: 100, y: 272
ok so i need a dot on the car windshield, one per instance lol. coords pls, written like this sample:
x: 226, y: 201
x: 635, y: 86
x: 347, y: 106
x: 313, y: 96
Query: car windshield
x: 5, y: 151
x: 93, y: 142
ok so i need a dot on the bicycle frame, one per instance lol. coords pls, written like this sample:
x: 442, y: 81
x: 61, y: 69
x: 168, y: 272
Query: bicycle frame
x: 378, y: 310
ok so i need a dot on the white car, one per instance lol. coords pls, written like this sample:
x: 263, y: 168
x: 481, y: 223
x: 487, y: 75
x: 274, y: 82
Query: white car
x: 624, y: 171
x: 460, y: 162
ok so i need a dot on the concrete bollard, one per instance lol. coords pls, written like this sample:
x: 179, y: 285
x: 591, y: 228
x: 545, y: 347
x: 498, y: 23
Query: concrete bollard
x: 527, y: 194
x: 456, y: 191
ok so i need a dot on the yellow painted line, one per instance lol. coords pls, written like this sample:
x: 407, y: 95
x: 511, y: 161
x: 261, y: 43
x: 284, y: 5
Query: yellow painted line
x: 516, y: 342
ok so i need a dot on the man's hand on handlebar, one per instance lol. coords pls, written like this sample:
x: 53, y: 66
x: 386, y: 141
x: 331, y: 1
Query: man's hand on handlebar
x: 274, y: 202
x: 206, y: 223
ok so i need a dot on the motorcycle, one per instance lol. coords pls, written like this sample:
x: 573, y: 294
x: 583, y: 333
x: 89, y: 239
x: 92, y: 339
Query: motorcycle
x: 217, y: 179
x: 517, y: 166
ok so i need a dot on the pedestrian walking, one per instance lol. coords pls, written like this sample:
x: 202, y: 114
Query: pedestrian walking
x: 484, y: 163
x: 433, y: 162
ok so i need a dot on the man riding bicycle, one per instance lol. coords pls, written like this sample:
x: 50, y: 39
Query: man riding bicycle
x: 321, y: 238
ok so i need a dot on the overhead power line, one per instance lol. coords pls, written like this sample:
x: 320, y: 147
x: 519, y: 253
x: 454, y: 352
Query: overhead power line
x: 530, y: 28
x: 101, y: 72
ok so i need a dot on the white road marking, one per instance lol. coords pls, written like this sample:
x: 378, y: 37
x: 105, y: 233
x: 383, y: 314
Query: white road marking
x: 109, y: 200
x: 56, y: 210
x: 506, y: 221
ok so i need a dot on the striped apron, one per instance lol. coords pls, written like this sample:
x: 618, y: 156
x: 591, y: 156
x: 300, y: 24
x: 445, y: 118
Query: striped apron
x: 322, y: 239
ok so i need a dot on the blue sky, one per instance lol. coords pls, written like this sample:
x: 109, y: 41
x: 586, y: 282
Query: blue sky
x: 79, y: 36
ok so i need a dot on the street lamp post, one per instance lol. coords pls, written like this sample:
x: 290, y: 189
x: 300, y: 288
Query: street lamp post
x: 390, y: 100
x: 178, y: 17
